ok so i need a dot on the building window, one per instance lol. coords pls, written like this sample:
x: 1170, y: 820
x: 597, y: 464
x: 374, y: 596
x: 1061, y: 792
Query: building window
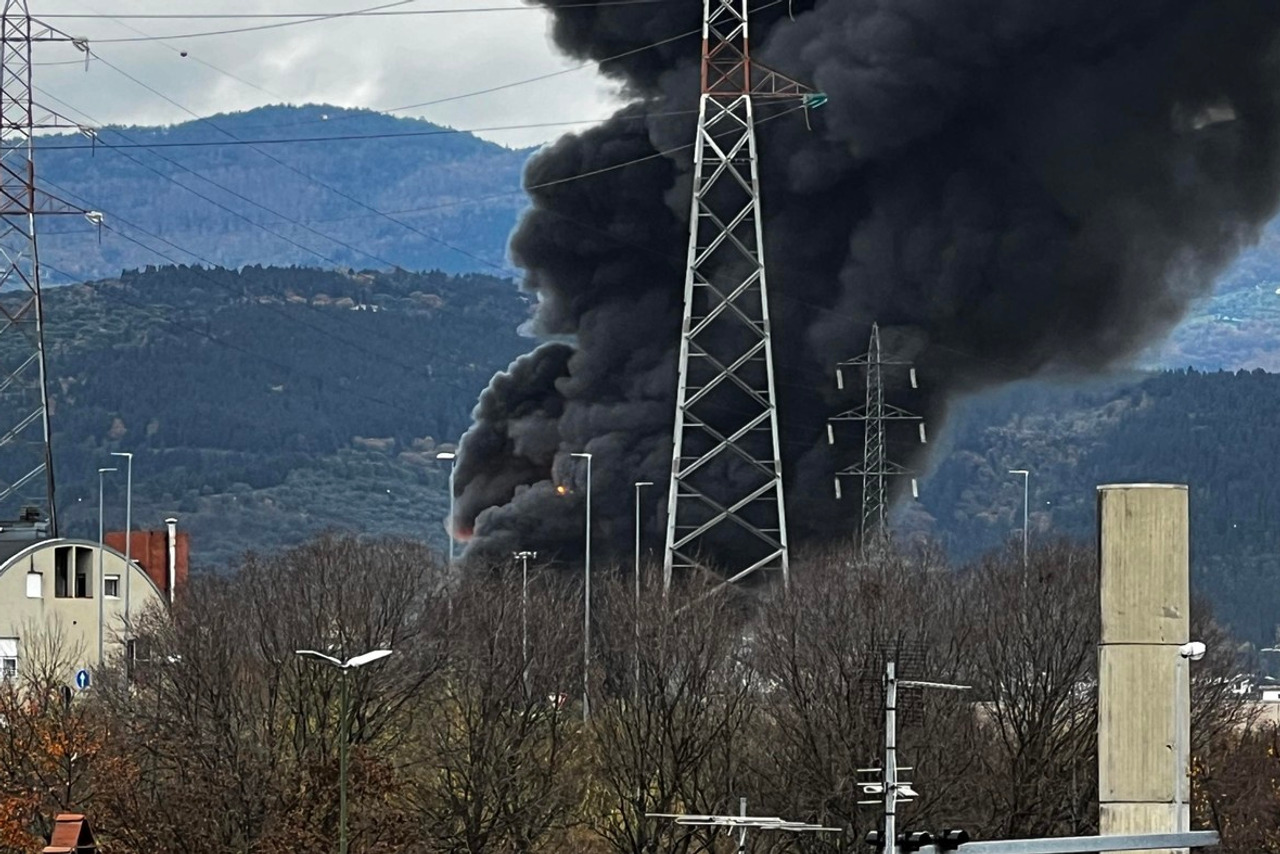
x: 84, y: 572
x: 62, y: 572
x: 35, y: 585
x: 8, y: 658
x: 111, y: 586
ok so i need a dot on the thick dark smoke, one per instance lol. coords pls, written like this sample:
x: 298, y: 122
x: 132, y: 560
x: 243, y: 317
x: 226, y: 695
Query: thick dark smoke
x: 1009, y: 187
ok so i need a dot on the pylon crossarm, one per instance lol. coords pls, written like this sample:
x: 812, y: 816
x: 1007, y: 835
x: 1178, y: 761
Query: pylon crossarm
x: 883, y: 468
x: 863, y: 360
x: 891, y: 413
x: 775, y: 84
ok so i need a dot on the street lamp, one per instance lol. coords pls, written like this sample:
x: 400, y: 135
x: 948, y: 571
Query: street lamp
x: 128, y: 533
x: 640, y: 484
x: 343, y: 668
x: 101, y: 583
x: 524, y: 558
x: 1187, y: 653
x: 586, y: 603
x: 1026, y: 491
x: 452, y: 459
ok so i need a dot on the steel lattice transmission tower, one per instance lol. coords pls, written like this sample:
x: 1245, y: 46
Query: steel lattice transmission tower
x: 725, y: 495
x: 876, y: 468
x: 26, y: 462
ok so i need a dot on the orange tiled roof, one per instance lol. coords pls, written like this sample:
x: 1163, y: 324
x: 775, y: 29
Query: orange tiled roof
x: 71, y: 835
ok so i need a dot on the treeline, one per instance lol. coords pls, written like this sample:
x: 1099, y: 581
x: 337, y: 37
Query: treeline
x: 471, y: 736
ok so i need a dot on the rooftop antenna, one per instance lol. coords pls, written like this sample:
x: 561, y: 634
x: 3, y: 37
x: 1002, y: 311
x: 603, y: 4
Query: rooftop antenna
x: 742, y: 822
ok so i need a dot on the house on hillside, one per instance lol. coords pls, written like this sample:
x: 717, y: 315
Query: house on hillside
x: 68, y: 602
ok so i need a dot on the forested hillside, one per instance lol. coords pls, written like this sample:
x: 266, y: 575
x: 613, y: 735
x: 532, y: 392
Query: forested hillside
x: 314, y: 185
x: 268, y: 403
x: 1216, y: 432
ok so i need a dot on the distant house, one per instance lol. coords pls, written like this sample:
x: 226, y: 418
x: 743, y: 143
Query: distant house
x: 76, y: 592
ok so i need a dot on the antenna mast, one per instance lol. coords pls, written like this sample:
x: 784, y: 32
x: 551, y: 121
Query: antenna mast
x: 726, y: 469
x: 25, y: 450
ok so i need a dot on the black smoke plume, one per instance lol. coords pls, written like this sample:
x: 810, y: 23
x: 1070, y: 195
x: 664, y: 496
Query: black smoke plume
x: 1009, y: 187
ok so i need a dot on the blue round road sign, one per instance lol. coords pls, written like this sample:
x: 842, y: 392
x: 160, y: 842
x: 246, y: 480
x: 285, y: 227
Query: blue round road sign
x: 82, y: 679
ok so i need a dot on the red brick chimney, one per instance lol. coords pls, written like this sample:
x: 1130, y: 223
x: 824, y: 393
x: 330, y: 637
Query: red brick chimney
x: 151, y: 551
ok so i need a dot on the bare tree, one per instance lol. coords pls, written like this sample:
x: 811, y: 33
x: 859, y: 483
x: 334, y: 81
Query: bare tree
x: 1034, y: 635
x: 675, y: 714
x: 496, y: 764
x: 222, y: 713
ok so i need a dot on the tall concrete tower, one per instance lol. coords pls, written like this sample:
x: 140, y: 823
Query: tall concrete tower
x: 1143, y: 689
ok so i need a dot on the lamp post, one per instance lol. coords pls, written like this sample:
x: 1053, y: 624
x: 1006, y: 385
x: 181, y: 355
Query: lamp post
x: 640, y: 484
x: 586, y: 603
x: 343, y: 668
x: 128, y: 534
x: 1187, y: 653
x: 452, y: 459
x: 1026, y: 494
x: 101, y: 583
x: 524, y: 558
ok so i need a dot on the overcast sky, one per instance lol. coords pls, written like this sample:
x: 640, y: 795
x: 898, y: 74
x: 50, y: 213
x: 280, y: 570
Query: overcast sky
x: 379, y: 62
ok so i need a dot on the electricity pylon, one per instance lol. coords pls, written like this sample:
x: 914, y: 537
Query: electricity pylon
x: 725, y: 503
x: 25, y: 452
x: 876, y: 468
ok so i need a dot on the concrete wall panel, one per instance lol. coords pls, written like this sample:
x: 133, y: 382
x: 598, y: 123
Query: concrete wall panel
x: 1135, y: 722
x: 1144, y: 559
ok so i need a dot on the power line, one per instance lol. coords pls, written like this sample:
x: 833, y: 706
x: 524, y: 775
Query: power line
x: 323, y: 17
x: 355, y: 14
x: 353, y: 344
x: 500, y: 267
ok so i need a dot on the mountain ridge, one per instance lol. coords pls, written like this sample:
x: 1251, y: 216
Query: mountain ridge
x: 190, y: 193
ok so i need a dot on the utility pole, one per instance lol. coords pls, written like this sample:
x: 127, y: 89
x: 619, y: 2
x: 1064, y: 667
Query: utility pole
x: 26, y: 465
x: 892, y: 787
x: 726, y: 467
x: 876, y: 468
